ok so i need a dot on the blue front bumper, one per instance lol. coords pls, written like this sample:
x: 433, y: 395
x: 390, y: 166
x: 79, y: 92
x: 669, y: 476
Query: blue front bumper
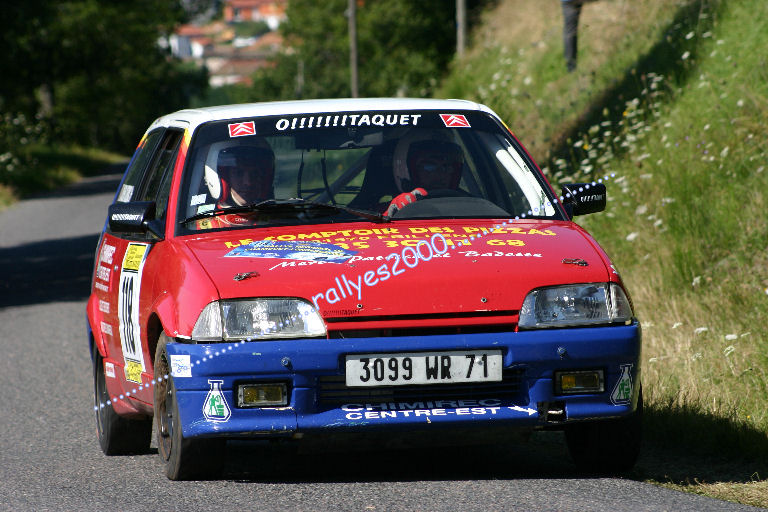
x: 314, y: 373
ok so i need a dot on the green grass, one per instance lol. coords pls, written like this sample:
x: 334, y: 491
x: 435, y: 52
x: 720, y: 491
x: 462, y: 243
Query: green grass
x: 675, y: 105
x: 47, y: 167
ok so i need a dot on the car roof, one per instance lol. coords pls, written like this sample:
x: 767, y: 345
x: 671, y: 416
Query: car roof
x: 194, y: 117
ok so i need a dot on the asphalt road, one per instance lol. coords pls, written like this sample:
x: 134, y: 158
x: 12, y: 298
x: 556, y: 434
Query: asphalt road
x: 50, y: 457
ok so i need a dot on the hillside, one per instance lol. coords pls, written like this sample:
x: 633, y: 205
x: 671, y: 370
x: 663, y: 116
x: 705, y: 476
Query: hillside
x: 672, y: 97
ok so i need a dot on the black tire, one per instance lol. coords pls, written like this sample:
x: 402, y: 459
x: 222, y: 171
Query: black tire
x: 607, y: 447
x: 185, y: 459
x: 117, y: 435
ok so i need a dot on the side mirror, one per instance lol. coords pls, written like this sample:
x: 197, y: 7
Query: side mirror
x: 584, y: 198
x: 135, y: 218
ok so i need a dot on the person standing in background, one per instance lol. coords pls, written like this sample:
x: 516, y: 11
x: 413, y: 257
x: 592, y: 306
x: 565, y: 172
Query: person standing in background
x: 571, y: 12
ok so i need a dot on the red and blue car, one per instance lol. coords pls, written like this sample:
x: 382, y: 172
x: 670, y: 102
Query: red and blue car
x: 297, y: 269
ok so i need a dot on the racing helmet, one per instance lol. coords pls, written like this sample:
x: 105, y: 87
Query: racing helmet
x: 247, y: 170
x: 428, y: 159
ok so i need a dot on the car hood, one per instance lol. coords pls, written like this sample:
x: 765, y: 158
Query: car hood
x: 357, y: 269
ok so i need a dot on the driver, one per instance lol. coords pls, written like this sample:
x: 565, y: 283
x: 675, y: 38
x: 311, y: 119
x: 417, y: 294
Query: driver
x: 245, y: 176
x: 425, y: 165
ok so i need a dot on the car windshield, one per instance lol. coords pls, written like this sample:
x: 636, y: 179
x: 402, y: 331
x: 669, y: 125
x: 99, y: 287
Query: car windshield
x: 285, y: 169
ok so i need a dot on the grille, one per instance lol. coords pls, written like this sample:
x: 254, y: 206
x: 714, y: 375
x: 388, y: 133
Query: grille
x: 417, y: 331
x: 333, y: 390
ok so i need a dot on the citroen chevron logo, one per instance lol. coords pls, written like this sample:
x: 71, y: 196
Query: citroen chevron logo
x: 240, y: 129
x: 454, y: 121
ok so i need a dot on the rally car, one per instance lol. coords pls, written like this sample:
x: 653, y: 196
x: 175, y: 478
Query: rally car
x: 371, y: 266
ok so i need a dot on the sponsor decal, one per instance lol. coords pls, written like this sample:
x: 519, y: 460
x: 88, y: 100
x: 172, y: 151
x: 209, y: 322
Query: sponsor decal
x: 242, y: 129
x: 593, y: 197
x: 383, y: 411
x: 103, y: 306
x: 284, y: 264
x: 106, y: 328
x: 181, y: 366
x: 133, y: 371
x: 103, y: 273
x: 197, y: 199
x: 472, y: 254
x: 346, y: 120
x: 215, y: 407
x: 107, y: 253
x: 126, y: 216
x: 395, y: 237
x: 128, y: 310
x: 622, y: 391
x: 341, y: 312
x: 134, y: 256
x: 100, y: 286
x: 304, y: 251
x: 109, y: 369
x: 125, y: 194
x: 454, y: 121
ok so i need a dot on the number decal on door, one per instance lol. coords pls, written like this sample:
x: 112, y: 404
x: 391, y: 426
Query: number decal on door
x: 128, y: 310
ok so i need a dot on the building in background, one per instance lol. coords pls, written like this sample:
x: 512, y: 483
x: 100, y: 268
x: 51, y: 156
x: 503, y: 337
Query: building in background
x: 233, y: 47
x: 271, y: 12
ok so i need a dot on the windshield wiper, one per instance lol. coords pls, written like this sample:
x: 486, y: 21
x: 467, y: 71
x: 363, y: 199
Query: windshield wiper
x: 293, y: 203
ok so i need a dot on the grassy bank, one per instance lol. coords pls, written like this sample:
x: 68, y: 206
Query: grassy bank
x: 47, y: 167
x: 672, y: 97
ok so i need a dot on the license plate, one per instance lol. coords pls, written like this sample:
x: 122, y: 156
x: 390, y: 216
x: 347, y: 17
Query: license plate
x: 423, y: 368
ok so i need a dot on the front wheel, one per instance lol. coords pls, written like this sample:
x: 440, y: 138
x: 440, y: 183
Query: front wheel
x: 117, y: 435
x: 185, y: 459
x: 607, y: 447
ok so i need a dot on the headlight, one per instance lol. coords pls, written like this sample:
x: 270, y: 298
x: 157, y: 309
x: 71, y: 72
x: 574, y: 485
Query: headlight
x: 258, y: 319
x: 578, y: 304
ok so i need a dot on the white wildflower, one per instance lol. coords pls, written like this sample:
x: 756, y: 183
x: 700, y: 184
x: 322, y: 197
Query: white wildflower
x: 700, y: 330
x: 696, y: 281
x: 641, y: 210
x: 631, y: 237
x: 676, y: 325
x: 689, y: 35
x: 731, y: 337
x: 686, y: 55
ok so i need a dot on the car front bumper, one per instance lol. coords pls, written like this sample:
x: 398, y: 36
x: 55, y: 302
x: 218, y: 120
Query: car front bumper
x: 313, y: 371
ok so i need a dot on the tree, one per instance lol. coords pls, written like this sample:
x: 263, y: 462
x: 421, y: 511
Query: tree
x: 94, y: 68
x: 404, y: 47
